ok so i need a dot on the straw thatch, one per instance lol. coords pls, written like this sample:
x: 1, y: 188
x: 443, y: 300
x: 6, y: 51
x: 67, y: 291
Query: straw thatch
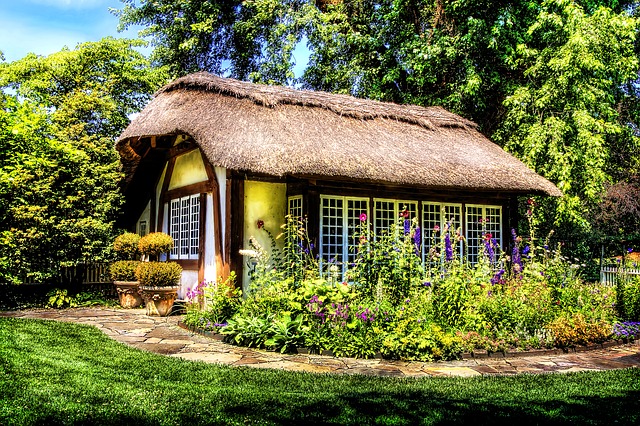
x: 280, y: 131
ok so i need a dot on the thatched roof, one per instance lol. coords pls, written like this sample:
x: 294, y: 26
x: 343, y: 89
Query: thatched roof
x: 280, y: 131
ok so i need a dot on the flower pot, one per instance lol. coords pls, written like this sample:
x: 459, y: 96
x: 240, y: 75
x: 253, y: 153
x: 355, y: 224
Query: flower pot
x: 159, y: 300
x: 128, y: 293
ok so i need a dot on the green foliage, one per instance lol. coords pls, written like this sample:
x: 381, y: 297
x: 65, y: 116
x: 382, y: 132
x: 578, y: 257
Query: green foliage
x: 563, y: 119
x: 126, y: 245
x: 221, y: 302
x: 427, y: 343
x: 155, y: 244
x: 59, y: 115
x: 286, y: 334
x: 123, y: 270
x: 388, y: 266
x: 60, y: 299
x: 533, y: 298
x: 575, y: 329
x: 628, y: 296
x: 158, y: 274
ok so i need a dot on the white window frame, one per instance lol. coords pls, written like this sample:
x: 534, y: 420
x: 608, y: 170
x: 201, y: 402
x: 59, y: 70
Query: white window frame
x: 185, y: 227
x: 471, y: 226
x: 397, y: 206
x: 295, y: 202
x: 442, y: 222
x: 347, y: 239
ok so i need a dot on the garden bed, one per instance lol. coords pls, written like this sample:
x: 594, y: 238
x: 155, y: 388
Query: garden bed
x: 529, y: 299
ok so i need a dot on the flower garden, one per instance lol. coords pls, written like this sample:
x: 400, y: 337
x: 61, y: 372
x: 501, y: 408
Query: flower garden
x: 390, y: 304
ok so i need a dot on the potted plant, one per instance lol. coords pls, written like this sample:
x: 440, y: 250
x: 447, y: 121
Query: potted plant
x: 159, y: 281
x: 122, y: 272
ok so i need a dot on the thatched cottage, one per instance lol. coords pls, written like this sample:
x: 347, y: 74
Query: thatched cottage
x: 209, y: 158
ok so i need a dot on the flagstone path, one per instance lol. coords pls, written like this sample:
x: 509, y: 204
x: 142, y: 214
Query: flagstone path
x: 164, y: 336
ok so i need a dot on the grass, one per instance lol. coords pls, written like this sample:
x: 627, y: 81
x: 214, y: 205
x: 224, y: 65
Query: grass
x: 58, y: 373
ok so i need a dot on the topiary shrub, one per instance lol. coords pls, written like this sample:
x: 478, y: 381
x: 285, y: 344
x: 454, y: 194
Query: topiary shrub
x: 124, y: 270
x: 158, y: 274
x: 126, y: 245
x: 155, y: 244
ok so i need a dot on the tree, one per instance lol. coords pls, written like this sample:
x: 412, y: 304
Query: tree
x: 246, y: 39
x: 59, y: 170
x: 562, y: 118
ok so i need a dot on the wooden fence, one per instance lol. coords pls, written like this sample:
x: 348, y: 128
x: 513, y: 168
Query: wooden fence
x: 608, y: 274
x: 90, y: 274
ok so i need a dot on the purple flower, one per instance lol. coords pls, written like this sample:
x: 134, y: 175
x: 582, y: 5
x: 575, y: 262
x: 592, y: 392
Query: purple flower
x: 417, y: 239
x: 407, y: 226
x: 447, y: 248
x: 629, y: 250
x: 426, y: 284
x: 497, y: 278
x: 489, y: 248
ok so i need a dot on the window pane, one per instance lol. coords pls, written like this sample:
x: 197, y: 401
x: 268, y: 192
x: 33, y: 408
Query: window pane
x: 355, y: 207
x: 385, y: 215
x: 331, y: 217
x: 295, y: 207
x: 184, y: 228
x: 195, y: 227
x: 174, y: 227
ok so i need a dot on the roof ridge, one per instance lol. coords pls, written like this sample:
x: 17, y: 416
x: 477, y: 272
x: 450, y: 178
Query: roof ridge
x: 431, y: 117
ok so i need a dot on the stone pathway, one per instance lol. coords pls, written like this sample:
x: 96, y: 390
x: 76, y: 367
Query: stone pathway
x: 163, y: 336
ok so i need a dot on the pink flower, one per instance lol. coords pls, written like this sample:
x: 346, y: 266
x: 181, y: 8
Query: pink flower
x: 436, y: 228
x: 405, y: 213
x: 363, y: 217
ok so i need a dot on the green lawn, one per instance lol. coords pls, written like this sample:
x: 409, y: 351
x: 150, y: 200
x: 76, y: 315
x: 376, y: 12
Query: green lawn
x: 57, y: 373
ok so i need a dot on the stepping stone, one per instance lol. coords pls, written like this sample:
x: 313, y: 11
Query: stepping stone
x: 209, y: 357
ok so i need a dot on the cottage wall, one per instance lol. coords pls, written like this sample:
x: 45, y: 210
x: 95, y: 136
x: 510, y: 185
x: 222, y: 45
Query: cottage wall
x: 265, y: 202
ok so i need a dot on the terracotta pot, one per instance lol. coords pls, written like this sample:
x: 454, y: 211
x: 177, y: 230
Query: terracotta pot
x: 159, y: 300
x: 128, y: 293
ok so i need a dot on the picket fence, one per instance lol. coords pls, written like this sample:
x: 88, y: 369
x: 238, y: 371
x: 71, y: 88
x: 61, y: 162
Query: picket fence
x: 608, y: 274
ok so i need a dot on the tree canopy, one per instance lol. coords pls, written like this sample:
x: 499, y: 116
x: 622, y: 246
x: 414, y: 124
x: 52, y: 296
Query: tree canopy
x: 59, y: 171
x: 554, y: 82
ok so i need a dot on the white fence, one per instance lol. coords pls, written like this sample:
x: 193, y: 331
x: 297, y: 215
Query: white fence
x: 608, y: 274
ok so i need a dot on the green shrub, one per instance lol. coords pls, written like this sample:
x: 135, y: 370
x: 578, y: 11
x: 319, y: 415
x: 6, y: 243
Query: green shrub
x: 222, y: 299
x: 155, y: 244
x: 58, y: 298
x: 628, y: 297
x: 574, y: 329
x: 126, y: 245
x: 428, y: 343
x: 158, y: 274
x: 124, y: 270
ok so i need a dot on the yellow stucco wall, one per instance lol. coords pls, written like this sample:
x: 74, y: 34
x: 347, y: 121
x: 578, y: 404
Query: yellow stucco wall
x: 267, y: 202
x: 189, y: 169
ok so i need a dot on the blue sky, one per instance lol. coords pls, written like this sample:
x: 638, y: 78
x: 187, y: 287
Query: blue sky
x: 45, y: 26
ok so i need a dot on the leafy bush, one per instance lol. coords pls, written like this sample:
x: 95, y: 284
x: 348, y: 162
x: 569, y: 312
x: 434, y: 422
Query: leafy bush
x: 221, y: 302
x: 124, y: 270
x: 427, y: 343
x: 628, y: 297
x: 126, y: 245
x: 155, y: 244
x: 158, y: 274
x: 58, y: 298
x: 574, y: 329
